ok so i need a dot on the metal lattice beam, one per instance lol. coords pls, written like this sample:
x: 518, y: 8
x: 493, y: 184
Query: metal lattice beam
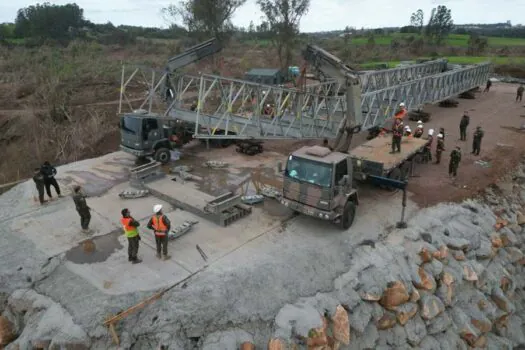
x: 231, y: 108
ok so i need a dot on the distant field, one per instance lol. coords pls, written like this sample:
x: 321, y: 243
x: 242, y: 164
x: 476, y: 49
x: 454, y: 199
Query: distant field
x: 457, y: 40
x: 458, y: 60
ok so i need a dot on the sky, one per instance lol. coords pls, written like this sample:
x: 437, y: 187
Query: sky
x: 324, y: 15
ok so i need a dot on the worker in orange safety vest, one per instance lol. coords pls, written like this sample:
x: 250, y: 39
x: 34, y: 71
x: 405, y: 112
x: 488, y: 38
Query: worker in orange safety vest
x: 160, y: 225
x: 131, y: 231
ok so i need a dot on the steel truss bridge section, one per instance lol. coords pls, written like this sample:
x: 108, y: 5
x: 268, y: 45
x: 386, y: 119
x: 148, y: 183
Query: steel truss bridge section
x: 382, y: 79
x: 377, y: 106
x: 229, y: 108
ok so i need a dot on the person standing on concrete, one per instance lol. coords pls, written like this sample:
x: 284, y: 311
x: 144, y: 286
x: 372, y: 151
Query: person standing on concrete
x: 160, y: 225
x: 397, y: 134
x: 476, y: 141
x: 487, y: 87
x: 440, y: 147
x: 130, y: 226
x: 427, y: 151
x: 519, y: 93
x: 38, y: 178
x: 49, y: 173
x: 455, y: 158
x: 463, y: 124
x: 82, y: 208
x: 442, y: 132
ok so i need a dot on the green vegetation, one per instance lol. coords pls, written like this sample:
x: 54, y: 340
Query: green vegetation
x: 456, y: 40
x: 458, y: 60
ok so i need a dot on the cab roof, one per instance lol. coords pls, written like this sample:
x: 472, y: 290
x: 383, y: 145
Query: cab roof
x: 319, y: 154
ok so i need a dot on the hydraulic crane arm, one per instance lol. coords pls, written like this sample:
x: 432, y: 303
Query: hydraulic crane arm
x: 329, y: 66
x: 193, y: 54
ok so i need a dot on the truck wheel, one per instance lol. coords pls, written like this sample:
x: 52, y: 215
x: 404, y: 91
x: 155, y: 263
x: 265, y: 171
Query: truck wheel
x: 347, y: 219
x: 163, y: 155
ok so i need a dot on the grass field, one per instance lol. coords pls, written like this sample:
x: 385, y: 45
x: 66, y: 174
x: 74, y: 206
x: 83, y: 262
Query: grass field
x: 457, y: 40
x: 459, y: 60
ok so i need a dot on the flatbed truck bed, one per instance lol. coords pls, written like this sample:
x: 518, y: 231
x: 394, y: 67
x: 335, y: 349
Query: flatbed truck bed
x: 374, y: 158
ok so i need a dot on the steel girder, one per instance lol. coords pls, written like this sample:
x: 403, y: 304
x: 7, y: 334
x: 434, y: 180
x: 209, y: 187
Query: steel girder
x: 380, y: 105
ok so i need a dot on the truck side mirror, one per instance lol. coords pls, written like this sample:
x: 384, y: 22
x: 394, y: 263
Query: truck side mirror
x: 279, y: 167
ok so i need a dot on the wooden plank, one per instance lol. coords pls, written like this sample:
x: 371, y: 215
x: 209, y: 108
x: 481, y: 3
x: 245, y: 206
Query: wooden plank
x: 114, y: 334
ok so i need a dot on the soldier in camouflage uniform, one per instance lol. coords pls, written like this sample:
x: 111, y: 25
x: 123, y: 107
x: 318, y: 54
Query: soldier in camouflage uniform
x: 476, y: 141
x: 455, y: 158
x: 82, y: 208
x: 440, y: 147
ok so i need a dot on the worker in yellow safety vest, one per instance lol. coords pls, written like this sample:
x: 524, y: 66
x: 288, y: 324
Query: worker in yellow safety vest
x: 160, y: 225
x: 131, y: 231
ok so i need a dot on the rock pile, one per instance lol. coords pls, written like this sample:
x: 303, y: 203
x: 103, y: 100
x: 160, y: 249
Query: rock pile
x: 453, y: 280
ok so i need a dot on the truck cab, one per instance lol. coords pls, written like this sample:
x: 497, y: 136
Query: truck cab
x: 149, y: 135
x: 318, y: 182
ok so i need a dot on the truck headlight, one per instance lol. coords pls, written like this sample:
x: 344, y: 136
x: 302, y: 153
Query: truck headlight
x: 358, y: 163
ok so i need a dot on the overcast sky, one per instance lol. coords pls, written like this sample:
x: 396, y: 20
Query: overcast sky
x: 323, y: 15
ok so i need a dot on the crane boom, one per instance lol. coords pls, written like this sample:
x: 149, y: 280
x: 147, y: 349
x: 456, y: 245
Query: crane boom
x: 193, y: 54
x: 331, y: 67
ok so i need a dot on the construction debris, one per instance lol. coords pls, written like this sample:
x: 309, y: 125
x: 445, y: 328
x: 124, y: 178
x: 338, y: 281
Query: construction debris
x: 253, y: 199
x: 132, y: 194
x: 181, y: 168
x: 215, y: 164
x: 419, y: 115
x: 249, y: 147
x: 467, y: 95
x: 449, y: 103
x: 181, y: 230
x: 271, y: 192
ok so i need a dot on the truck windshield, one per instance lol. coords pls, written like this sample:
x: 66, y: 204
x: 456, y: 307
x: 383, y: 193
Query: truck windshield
x: 309, y: 171
x: 130, y: 124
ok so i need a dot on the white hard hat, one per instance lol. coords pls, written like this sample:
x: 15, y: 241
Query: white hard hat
x: 407, y: 127
x: 402, y: 104
x: 157, y: 208
x: 419, y: 122
x: 431, y: 132
x: 440, y: 136
x: 420, y: 126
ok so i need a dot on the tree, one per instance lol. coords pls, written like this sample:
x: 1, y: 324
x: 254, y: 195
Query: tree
x: 416, y: 19
x: 283, y: 17
x: 48, y: 21
x: 205, y: 18
x: 440, y: 24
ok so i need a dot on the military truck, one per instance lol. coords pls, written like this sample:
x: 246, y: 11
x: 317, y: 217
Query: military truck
x: 318, y: 182
x: 148, y: 135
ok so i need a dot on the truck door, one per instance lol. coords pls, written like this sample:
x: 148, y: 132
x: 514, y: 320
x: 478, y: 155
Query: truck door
x: 341, y: 169
x: 150, y: 132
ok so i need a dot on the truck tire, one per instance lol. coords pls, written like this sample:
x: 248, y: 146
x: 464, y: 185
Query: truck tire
x: 347, y: 218
x: 163, y: 155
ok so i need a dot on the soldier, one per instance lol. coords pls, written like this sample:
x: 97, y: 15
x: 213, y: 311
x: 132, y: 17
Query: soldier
x: 49, y: 173
x: 38, y: 178
x: 428, y: 148
x: 465, y: 121
x: 455, y: 158
x: 82, y: 208
x: 476, y: 141
x: 397, y: 134
x: 519, y: 93
x: 440, y: 147
x: 487, y: 87
x: 442, y: 132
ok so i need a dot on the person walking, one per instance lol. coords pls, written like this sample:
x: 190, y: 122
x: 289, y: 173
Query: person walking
x: 82, y: 208
x: 49, y: 173
x: 160, y: 225
x: 38, y: 178
x: 130, y: 226
x: 519, y: 93
x: 487, y: 87
x: 455, y: 158
x: 463, y: 124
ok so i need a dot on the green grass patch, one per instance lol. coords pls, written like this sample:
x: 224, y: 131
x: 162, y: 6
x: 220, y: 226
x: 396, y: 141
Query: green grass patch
x: 456, y: 60
x: 457, y: 40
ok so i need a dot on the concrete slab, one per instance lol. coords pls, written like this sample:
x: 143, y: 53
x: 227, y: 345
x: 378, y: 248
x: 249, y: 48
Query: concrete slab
x: 110, y: 204
x: 116, y: 275
x: 55, y: 228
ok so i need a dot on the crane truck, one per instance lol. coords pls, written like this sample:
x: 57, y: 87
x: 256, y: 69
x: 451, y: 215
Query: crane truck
x: 150, y: 135
x: 319, y: 181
